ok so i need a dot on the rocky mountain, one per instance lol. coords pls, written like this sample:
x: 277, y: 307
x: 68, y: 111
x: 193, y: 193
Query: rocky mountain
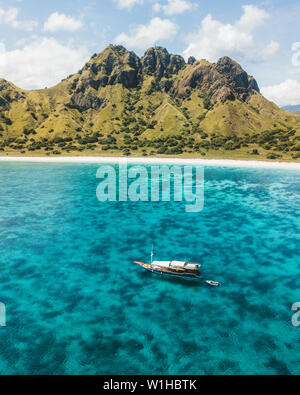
x: 154, y: 105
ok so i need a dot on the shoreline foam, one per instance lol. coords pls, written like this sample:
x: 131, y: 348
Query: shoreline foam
x: 155, y: 161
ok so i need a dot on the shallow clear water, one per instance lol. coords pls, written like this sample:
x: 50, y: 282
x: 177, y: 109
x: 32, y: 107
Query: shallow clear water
x: 76, y: 304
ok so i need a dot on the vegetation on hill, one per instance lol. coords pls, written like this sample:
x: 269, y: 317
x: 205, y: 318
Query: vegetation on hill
x: 119, y: 104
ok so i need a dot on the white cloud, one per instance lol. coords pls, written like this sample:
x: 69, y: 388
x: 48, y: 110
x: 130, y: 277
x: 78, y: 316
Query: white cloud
x: 270, y: 50
x: 215, y: 39
x: 174, y: 7
x: 62, y: 22
x: 252, y: 18
x: 285, y: 94
x: 43, y: 62
x: 127, y: 3
x: 10, y: 17
x: 143, y: 36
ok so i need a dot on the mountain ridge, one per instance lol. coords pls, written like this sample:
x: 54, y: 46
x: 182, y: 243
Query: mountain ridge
x: 121, y: 103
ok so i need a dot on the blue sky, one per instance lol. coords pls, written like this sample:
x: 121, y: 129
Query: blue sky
x: 43, y: 42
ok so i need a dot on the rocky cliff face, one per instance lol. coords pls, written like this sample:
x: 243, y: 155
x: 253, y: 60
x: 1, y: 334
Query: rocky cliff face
x: 158, y: 62
x: 87, y: 101
x: 241, y: 83
x: 223, y: 81
x: 115, y: 65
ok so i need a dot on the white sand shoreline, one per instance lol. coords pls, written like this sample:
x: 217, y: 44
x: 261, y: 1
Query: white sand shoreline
x: 155, y: 161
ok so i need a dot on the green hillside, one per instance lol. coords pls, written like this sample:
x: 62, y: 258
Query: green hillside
x: 157, y: 105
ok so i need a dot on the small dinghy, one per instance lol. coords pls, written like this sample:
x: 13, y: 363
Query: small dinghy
x: 213, y: 283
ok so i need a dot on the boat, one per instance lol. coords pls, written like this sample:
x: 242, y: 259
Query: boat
x: 213, y: 283
x: 181, y: 269
x: 172, y: 268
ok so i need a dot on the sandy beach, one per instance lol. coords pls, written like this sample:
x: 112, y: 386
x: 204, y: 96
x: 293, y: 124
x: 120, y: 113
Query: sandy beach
x: 156, y: 161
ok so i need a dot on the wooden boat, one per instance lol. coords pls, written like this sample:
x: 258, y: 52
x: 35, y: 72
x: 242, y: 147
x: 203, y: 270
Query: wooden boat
x: 173, y: 268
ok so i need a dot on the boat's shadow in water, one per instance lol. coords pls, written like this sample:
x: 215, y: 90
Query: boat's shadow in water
x: 189, y: 282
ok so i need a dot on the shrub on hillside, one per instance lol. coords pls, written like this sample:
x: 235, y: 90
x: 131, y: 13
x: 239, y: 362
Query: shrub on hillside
x: 272, y: 155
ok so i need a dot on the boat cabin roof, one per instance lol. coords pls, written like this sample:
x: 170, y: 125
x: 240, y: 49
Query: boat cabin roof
x: 177, y: 264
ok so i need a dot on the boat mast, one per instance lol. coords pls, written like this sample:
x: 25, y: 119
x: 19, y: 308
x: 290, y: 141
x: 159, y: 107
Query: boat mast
x: 152, y: 254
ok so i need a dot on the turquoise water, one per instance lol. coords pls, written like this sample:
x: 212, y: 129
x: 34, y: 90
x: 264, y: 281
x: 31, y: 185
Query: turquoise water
x: 76, y: 304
